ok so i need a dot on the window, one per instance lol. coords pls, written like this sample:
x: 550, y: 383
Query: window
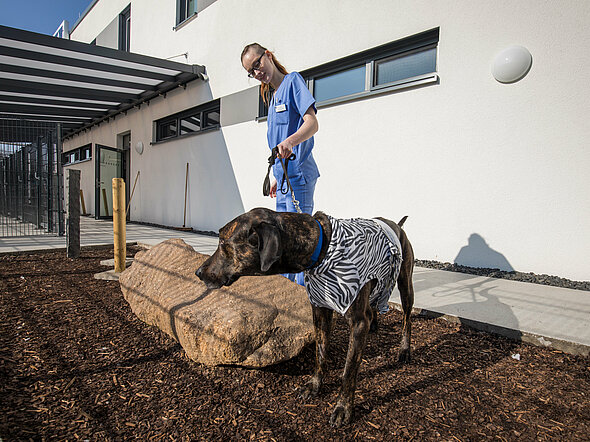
x: 212, y: 118
x: 401, y: 67
x: 347, y: 82
x: 186, y: 9
x: 83, y: 153
x: 167, y: 129
x: 190, y: 124
x: 125, y: 29
x: 191, y: 121
x: 402, y: 63
x: 399, y: 64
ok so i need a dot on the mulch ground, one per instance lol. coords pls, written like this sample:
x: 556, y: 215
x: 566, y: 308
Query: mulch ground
x: 75, y: 363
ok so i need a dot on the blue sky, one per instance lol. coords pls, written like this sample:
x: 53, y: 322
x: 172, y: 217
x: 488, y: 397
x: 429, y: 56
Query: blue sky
x: 43, y: 16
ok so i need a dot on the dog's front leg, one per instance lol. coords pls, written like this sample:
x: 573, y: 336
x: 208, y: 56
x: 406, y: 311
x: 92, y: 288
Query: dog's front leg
x: 322, y: 321
x: 359, y: 318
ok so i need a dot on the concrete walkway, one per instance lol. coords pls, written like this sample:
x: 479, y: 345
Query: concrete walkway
x: 543, y: 315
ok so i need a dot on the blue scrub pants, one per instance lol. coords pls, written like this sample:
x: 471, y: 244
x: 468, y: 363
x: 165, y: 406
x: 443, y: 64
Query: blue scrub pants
x: 304, y: 194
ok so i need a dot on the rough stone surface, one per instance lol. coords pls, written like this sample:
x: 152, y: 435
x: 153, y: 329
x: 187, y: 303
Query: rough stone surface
x: 73, y: 214
x: 258, y: 321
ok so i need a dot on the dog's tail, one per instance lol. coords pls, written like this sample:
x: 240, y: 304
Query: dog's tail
x: 402, y: 221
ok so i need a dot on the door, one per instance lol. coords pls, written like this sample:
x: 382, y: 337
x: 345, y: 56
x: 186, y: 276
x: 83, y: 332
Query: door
x: 109, y: 165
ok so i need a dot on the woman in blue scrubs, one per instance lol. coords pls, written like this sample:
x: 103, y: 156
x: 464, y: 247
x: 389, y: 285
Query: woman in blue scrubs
x: 292, y: 123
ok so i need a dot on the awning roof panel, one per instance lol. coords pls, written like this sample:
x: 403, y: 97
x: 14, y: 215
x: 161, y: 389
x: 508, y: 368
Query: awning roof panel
x: 44, y: 78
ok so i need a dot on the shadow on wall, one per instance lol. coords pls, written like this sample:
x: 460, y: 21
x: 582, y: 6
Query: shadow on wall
x: 205, y: 195
x: 477, y: 253
x: 213, y: 193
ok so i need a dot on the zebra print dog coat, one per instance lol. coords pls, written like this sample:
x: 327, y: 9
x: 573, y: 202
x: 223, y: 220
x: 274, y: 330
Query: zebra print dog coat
x: 360, y: 250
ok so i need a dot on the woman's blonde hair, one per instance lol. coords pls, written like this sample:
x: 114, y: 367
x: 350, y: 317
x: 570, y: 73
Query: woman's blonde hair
x: 265, y: 89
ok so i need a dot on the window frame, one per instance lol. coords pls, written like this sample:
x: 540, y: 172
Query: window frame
x: 375, y: 86
x: 396, y: 49
x: 202, y: 111
x: 406, y: 46
x: 125, y: 29
x: 182, y: 15
x: 77, y: 155
x: 163, y: 122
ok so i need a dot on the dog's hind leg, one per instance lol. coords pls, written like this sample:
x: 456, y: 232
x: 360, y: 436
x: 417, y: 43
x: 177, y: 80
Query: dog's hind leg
x: 322, y: 321
x: 359, y: 318
x: 374, y: 328
x: 406, y: 289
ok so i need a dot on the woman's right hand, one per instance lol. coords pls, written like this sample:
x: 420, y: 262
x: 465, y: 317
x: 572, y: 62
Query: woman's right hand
x: 273, y: 187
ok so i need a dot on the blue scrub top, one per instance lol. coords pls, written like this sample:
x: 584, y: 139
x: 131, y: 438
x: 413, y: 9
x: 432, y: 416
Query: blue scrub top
x: 285, y: 116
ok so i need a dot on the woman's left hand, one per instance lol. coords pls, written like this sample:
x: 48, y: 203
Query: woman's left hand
x: 285, y: 148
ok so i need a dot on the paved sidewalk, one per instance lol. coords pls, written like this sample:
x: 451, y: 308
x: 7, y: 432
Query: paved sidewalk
x: 97, y: 232
x: 543, y: 315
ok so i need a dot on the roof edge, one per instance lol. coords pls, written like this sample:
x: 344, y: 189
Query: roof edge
x: 84, y: 14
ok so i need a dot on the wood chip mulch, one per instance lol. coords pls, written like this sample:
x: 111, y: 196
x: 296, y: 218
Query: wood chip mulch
x: 76, y: 364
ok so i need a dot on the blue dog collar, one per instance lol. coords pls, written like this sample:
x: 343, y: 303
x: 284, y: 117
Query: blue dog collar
x: 318, y: 247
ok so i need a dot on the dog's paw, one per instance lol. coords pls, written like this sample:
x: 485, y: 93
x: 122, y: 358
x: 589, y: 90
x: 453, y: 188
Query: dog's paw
x: 405, y: 356
x: 342, y: 415
x: 309, y: 390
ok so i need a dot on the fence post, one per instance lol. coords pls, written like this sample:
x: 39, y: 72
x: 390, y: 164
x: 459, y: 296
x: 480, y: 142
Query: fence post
x: 39, y: 178
x: 50, y: 196
x: 73, y: 214
x: 119, y: 233
x: 60, y: 188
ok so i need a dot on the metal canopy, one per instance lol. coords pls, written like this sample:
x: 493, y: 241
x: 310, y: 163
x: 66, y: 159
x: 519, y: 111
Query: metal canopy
x: 49, y: 79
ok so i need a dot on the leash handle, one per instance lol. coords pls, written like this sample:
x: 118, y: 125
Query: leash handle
x: 266, y: 185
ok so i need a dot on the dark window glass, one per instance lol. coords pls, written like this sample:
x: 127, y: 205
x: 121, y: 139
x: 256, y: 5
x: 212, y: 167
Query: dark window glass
x: 168, y: 129
x: 401, y: 67
x: 190, y: 124
x: 185, y: 9
x: 340, y: 84
x: 191, y: 7
x: 125, y: 30
x: 212, y: 118
x: 189, y: 121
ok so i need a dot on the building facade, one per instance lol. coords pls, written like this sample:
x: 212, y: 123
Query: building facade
x: 412, y: 120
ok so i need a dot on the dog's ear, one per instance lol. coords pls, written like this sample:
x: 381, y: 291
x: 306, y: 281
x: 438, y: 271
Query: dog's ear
x: 269, y: 245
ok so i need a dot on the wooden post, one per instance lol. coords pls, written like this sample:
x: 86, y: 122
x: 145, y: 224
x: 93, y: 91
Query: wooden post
x: 132, y: 192
x: 106, y: 203
x: 119, y: 224
x: 82, y: 201
x: 185, y: 191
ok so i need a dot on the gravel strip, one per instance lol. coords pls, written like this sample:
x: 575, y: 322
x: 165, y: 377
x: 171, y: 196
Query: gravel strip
x: 554, y: 281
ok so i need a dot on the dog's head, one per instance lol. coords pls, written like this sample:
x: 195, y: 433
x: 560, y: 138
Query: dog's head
x: 249, y: 245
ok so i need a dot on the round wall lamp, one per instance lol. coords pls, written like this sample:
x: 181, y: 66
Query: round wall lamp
x: 512, y: 64
x: 139, y: 147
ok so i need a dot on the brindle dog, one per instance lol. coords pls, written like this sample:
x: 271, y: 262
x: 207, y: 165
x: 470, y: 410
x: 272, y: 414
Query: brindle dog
x: 264, y: 242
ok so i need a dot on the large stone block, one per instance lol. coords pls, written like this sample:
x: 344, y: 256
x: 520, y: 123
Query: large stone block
x: 256, y: 322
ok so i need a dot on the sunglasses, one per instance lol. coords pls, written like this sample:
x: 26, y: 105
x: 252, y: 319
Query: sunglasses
x: 255, y: 66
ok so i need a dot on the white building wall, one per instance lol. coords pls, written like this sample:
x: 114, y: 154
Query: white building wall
x: 213, y: 195
x: 508, y: 162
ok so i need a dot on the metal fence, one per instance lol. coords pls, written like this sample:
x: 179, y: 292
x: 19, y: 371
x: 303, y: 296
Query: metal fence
x: 31, y: 184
